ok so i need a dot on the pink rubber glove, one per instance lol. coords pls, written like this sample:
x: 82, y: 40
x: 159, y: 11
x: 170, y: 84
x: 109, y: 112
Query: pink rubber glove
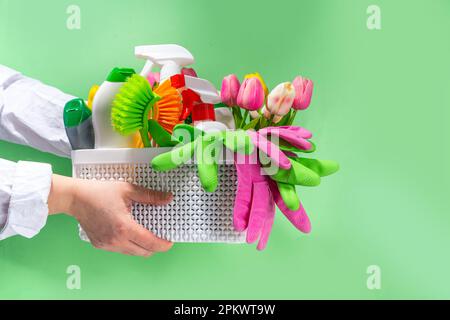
x: 299, y: 131
x: 277, y: 156
x: 254, y: 208
x: 296, y: 136
x: 298, y: 218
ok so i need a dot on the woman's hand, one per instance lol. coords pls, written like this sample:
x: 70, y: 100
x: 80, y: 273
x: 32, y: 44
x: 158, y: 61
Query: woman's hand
x: 103, y: 209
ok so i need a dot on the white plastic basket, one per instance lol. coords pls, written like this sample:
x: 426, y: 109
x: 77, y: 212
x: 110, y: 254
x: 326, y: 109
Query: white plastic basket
x: 193, y: 216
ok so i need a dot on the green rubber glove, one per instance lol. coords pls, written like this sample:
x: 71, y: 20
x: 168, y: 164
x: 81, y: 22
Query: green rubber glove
x: 238, y: 142
x: 186, y: 133
x: 208, y: 171
x: 208, y: 161
x: 322, y: 167
x: 298, y: 174
x: 304, y: 172
x: 205, y: 146
x: 175, y: 158
x: 289, y: 195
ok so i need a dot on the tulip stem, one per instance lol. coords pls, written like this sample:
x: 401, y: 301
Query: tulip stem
x: 237, y: 116
x: 294, y: 114
x: 244, y: 118
x: 271, y: 120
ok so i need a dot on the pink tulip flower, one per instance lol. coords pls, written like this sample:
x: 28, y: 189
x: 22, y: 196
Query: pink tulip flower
x: 303, y: 93
x: 251, y: 94
x: 230, y: 90
x: 153, y: 77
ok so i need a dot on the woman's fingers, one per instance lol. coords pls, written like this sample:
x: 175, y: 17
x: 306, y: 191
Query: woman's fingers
x: 128, y: 248
x: 137, y: 250
x: 147, y: 240
x: 148, y: 196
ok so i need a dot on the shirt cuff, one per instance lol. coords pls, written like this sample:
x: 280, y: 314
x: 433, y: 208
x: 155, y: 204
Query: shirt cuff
x: 6, y: 74
x: 28, y: 209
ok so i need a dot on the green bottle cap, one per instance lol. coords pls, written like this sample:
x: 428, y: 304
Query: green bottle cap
x: 75, y: 113
x: 120, y: 74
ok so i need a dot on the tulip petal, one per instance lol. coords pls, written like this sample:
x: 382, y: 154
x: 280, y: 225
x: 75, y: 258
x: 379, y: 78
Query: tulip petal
x: 251, y: 94
x: 303, y: 93
x: 280, y: 100
x: 230, y: 90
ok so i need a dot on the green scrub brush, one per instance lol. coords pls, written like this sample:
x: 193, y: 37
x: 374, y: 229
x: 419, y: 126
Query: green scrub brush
x: 131, y: 108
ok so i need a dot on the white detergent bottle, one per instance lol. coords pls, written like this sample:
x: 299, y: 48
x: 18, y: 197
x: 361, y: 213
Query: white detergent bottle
x: 105, y: 135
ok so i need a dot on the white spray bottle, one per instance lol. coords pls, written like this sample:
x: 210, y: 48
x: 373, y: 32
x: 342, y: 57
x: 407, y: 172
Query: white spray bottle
x: 203, y: 114
x: 171, y: 59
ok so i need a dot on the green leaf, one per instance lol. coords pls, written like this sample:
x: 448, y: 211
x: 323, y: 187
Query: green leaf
x: 260, y: 124
x: 220, y: 105
x: 251, y: 125
x: 264, y: 122
x: 285, y: 120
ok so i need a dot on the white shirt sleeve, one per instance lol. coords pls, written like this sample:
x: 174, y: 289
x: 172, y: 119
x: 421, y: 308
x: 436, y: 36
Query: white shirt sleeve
x: 31, y: 113
x: 24, y: 190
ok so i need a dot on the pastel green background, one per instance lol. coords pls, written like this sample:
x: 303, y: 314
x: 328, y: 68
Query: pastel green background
x: 381, y: 108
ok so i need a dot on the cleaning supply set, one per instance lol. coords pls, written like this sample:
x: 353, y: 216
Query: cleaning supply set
x: 174, y: 131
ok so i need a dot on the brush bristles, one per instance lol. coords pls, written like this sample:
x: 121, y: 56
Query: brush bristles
x: 169, y: 108
x: 129, y: 105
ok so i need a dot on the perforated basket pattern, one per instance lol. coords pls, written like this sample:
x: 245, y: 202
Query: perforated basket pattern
x: 193, y: 216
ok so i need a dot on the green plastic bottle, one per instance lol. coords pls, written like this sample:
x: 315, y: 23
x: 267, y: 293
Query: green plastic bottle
x: 78, y: 123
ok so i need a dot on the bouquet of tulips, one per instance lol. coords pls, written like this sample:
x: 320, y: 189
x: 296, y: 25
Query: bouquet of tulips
x: 277, y: 108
